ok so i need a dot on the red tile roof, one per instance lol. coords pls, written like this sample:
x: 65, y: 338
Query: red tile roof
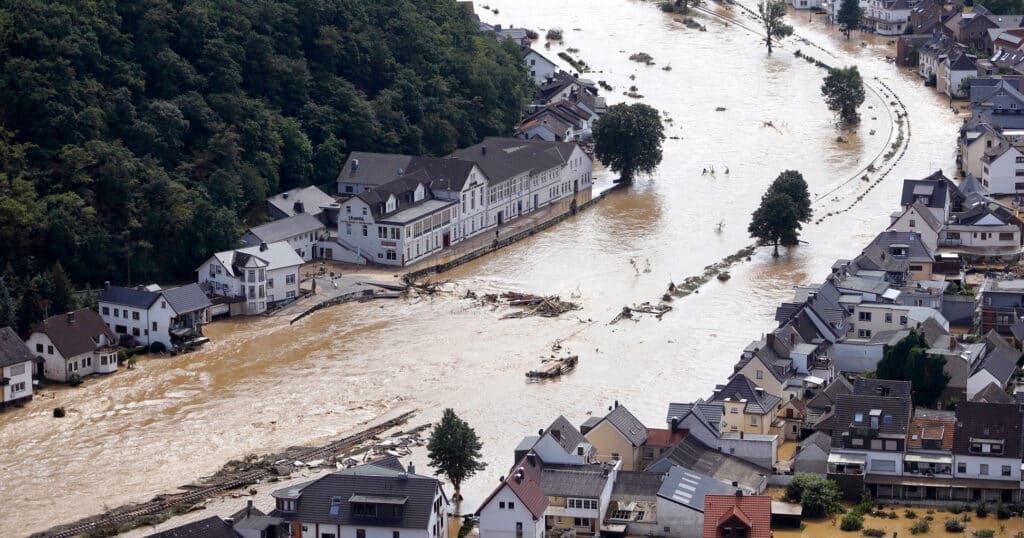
x: 937, y: 428
x: 754, y: 511
x: 664, y: 438
x: 524, y: 481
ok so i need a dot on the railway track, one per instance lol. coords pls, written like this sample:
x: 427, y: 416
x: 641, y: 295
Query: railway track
x: 117, y: 516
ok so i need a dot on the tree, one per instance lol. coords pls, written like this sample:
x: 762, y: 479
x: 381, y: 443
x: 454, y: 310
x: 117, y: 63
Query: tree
x: 792, y: 184
x: 628, y: 139
x: 964, y: 90
x: 849, y: 16
x: 772, y: 13
x: 30, y: 309
x: 8, y: 306
x: 909, y: 360
x: 1003, y: 7
x: 62, y: 294
x: 775, y: 221
x: 454, y: 450
x: 818, y: 497
x: 843, y: 90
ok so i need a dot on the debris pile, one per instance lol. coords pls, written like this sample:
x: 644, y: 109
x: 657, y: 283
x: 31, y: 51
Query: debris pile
x: 534, y: 305
x: 553, y: 368
x: 646, y: 307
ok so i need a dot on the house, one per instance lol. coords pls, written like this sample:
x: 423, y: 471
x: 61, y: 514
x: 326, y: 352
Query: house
x: 822, y: 403
x: 970, y: 28
x: 926, y: 16
x: 929, y: 453
x: 363, y: 171
x: 936, y: 192
x: 997, y: 366
x: 887, y: 17
x: 310, y: 200
x: 681, y: 500
x: 954, y: 68
x: 541, y: 69
x: 16, y: 369
x: 559, y: 122
x: 811, y: 455
x: 930, y: 55
x: 250, y: 522
x: 633, y: 507
x: 376, y: 499
x: 792, y: 416
x: 211, y: 527
x: 578, y: 496
x: 806, y: 4
x: 999, y: 165
x: 868, y: 320
x: 1000, y: 305
x: 516, y: 507
x: 983, y: 229
x: 693, y: 454
x: 302, y: 232
x: 987, y: 452
x: 150, y: 315
x: 561, y: 443
x: 919, y: 219
x: 868, y: 440
x: 737, y: 515
x: 252, y: 278
x: 976, y: 142
x: 619, y: 435
x: 77, y: 343
x: 747, y: 407
x: 897, y: 257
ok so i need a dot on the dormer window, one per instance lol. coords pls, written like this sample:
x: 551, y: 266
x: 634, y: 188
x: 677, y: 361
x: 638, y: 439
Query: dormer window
x: 335, y: 506
x: 859, y: 417
x: 364, y: 510
x: 286, y: 505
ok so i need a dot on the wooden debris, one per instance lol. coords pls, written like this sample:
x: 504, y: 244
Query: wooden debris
x: 554, y: 368
x: 548, y: 307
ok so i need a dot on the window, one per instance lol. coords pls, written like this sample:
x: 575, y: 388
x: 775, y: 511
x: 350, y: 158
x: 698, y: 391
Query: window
x: 903, y: 319
x: 106, y: 309
x: 135, y: 331
x: 135, y: 316
x: 155, y: 327
x: 983, y: 469
x: 501, y: 505
x: 327, y: 535
x: 913, y: 223
x: 888, y: 317
x: 580, y: 522
x: 864, y: 316
x: 864, y: 333
x: 290, y: 294
x: 760, y: 374
x: 335, y: 505
x: 857, y: 442
x: 289, y: 279
x: 395, y: 534
x: 511, y: 505
x: 18, y: 387
x: 876, y: 444
x: 885, y: 466
x: 49, y: 350
x: 366, y: 230
x: 364, y: 510
x: 361, y: 533
x: 364, y: 211
x: 519, y: 529
x: 117, y: 312
x: 1006, y: 236
x: 252, y: 275
x: 1006, y: 470
x: 961, y: 467
x: 39, y: 348
x: 753, y: 420
x: 890, y: 445
x: 348, y: 228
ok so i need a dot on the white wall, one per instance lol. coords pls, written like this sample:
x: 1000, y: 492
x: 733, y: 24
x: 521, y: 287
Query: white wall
x: 539, y: 67
x: 57, y: 369
x: 281, y: 288
x: 227, y: 284
x: 20, y: 377
x: 159, y: 313
x: 855, y: 358
x: 811, y: 460
x: 763, y: 452
x: 53, y: 365
x: 314, y: 530
x: 995, y: 465
x: 911, y: 221
x: 681, y: 521
x: 501, y: 522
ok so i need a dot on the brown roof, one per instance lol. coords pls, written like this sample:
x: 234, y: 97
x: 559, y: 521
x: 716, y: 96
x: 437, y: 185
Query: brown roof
x: 752, y: 510
x: 931, y: 426
x: 663, y: 437
x: 76, y: 332
x: 524, y: 481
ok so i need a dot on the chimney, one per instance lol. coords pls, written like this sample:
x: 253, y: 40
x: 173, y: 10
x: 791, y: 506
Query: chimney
x: 248, y: 508
x: 71, y: 317
x: 355, y: 165
x: 412, y: 468
x: 540, y: 432
x: 483, y: 150
x: 616, y: 404
x: 106, y: 284
x: 739, y: 493
x: 792, y: 338
x: 952, y: 343
x: 399, y: 172
x: 557, y: 434
x: 263, y: 246
x: 230, y: 521
x: 735, y: 484
x: 531, y: 458
x: 519, y: 475
x: 675, y: 424
x: 769, y: 339
x: 299, y: 207
x: 285, y: 196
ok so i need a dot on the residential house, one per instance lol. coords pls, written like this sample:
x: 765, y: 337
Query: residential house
x: 897, y: 256
x: 211, y: 527
x: 926, y: 16
x: 992, y: 393
x: 619, y: 436
x: 747, y: 407
x: 705, y: 422
x: 541, y: 69
x: 868, y: 440
x: 867, y: 319
x: 560, y: 443
x: 659, y: 441
x: 811, y: 455
x: 737, y: 515
x: 692, y: 454
x: 252, y: 278
x: 76, y: 343
x: 784, y: 363
x: 1001, y: 168
x: 310, y: 200
x: 578, y: 496
x: 823, y: 402
x: 150, y: 315
x: 1000, y: 305
x: 792, y: 415
x: 559, y: 122
x: 936, y: 192
x: 560, y: 87
x: 970, y: 28
x: 929, y: 455
x: 681, y: 499
x: 376, y: 499
x: 302, y: 232
x: 955, y: 67
x: 633, y: 507
x: 930, y: 55
x: 364, y: 171
x: 997, y: 366
x: 806, y: 4
x: 987, y: 452
x: 919, y: 219
x: 16, y: 369
x: 887, y: 17
x: 246, y: 523
x: 515, y: 509
x: 984, y: 229
x: 976, y: 144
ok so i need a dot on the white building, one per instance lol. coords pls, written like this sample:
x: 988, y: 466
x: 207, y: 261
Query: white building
x: 680, y: 502
x: 887, y: 17
x: 151, y: 315
x: 515, y: 509
x: 541, y: 69
x: 309, y: 200
x: 987, y: 451
x: 302, y: 232
x: 1002, y: 169
x: 378, y: 500
x: 869, y: 319
x: 74, y: 343
x: 252, y: 277
x: 16, y: 369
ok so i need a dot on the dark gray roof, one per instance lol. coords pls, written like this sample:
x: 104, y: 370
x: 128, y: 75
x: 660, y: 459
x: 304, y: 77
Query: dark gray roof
x: 688, y: 488
x: 877, y: 256
x: 187, y: 298
x: 828, y: 396
x: 992, y: 393
x: 1000, y: 360
x: 12, y: 349
x: 573, y: 480
x: 976, y: 420
x: 933, y: 192
x: 882, y: 387
x: 708, y: 412
x: 628, y: 425
x: 637, y: 484
x: 285, y: 228
x: 316, y: 498
x: 211, y: 527
x: 692, y: 454
x: 374, y: 168
x: 759, y: 402
x: 442, y: 174
x: 503, y: 158
x: 849, y: 406
x: 565, y: 434
x: 311, y: 200
x: 818, y: 439
x: 133, y: 297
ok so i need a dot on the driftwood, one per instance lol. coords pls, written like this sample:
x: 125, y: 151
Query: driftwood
x: 554, y: 368
x: 642, y: 308
x: 548, y: 307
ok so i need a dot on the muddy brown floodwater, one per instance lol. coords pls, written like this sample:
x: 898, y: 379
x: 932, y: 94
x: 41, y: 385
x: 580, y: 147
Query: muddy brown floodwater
x: 263, y: 384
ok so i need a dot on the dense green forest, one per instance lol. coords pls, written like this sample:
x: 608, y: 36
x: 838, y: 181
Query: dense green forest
x: 137, y: 135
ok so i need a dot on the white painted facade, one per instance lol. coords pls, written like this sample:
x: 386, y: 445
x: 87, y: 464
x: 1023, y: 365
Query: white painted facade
x: 759, y: 449
x: 541, y: 69
x: 528, y: 191
x: 498, y: 520
x: 437, y: 526
x: 267, y: 277
x: 887, y: 17
x: 974, y: 151
x: 987, y: 468
x: 56, y: 367
x: 304, y: 244
x: 19, y: 384
x: 868, y: 319
x: 911, y: 221
x: 676, y: 519
x: 1004, y: 174
x: 146, y: 326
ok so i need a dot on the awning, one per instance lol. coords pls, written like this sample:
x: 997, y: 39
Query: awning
x: 378, y: 499
x: 847, y: 459
x: 814, y: 380
x: 613, y: 527
x: 941, y: 482
x: 928, y: 458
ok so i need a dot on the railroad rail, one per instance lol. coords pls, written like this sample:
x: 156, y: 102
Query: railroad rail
x: 123, y: 514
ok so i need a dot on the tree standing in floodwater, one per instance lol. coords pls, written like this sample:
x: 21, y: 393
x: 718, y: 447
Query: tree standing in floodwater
x: 843, y: 90
x: 784, y: 206
x: 454, y: 450
x: 849, y: 16
x: 772, y: 13
x: 628, y: 139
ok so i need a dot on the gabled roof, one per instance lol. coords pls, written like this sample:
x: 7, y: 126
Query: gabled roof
x: 527, y: 50
x: 1000, y: 359
x: 755, y: 511
x: 627, y: 424
x: 827, y: 397
x: 524, y: 481
x: 373, y: 168
x: 565, y: 434
x: 187, y: 298
x: 442, y: 173
x: 689, y: 488
x: 710, y: 413
x: 276, y: 256
x: 76, y: 332
x: 584, y: 480
x: 818, y: 439
x: 132, y: 297
x: 758, y: 402
x: 992, y: 393
x: 310, y: 199
x: 286, y: 228
x: 928, y: 424
x: 933, y: 191
x: 882, y: 387
x: 922, y: 212
x: 211, y: 527
x: 692, y: 454
x: 978, y: 421
x: 12, y: 349
x: 503, y: 158
x: 849, y: 408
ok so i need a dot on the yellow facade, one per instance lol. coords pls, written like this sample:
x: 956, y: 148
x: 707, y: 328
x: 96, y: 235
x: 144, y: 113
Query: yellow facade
x: 608, y: 441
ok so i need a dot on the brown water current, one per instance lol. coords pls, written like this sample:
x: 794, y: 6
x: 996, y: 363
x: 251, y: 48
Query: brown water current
x: 262, y: 384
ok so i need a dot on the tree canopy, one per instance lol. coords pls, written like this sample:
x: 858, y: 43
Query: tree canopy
x: 628, y: 139
x: 136, y: 137
x: 792, y: 184
x: 1003, y: 7
x: 849, y: 16
x: 843, y: 90
x: 909, y: 360
x: 772, y: 13
x: 454, y: 449
x: 818, y: 497
x: 783, y: 208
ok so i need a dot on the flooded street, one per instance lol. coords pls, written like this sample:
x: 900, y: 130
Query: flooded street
x: 262, y: 384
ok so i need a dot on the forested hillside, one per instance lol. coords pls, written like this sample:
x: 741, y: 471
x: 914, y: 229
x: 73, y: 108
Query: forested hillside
x: 137, y: 133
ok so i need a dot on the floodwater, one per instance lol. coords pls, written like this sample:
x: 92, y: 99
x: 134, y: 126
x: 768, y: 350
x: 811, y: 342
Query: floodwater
x: 262, y: 384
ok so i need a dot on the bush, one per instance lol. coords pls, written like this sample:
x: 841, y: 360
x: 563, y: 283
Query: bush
x: 157, y: 347
x: 920, y: 527
x: 954, y: 525
x: 893, y: 515
x: 865, y: 504
x: 818, y: 497
x: 58, y: 412
x: 554, y: 34
x: 852, y: 522
x: 984, y: 533
x: 910, y: 514
x: 75, y: 380
x: 467, y: 526
x: 874, y: 533
x: 1002, y: 511
x: 981, y: 510
x: 955, y: 509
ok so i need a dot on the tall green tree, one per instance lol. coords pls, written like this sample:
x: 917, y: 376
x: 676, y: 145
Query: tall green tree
x: 454, y: 450
x: 843, y: 90
x: 776, y: 220
x: 628, y: 139
x: 8, y: 306
x: 30, y: 309
x: 818, y: 497
x: 909, y: 360
x: 849, y: 16
x: 773, y: 13
x: 62, y: 292
x: 1003, y: 7
x: 792, y: 184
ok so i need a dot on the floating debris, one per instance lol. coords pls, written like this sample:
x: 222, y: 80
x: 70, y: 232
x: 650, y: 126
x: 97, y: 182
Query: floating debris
x: 720, y: 109
x: 554, y: 368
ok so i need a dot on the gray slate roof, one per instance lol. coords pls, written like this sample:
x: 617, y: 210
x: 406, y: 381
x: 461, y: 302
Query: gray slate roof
x: 133, y: 297
x: 828, y: 396
x: 992, y: 393
x: 688, y: 488
x: 508, y: 157
x: 572, y: 480
x: 708, y: 412
x: 628, y: 425
x: 848, y: 406
x: 211, y: 527
x: 988, y: 421
x: 818, y: 439
x: 1000, y: 358
x: 565, y: 434
x: 374, y: 168
x: 312, y: 200
x: 741, y: 388
x: 692, y: 454
x: 285, y: 228
x: 12, y: 349
x: 882, y: 387
x: 77, y: 334
x: 934, y: 192
x: 637, y: 484
x: 187, y: 298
